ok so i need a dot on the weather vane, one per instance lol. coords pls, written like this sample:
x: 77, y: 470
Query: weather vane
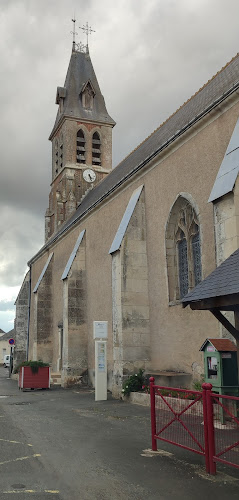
x: 74, y: 33
x: 88, y: 30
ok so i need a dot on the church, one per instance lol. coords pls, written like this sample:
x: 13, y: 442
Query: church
x: 126, y: 245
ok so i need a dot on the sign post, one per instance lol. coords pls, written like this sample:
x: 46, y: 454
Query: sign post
x: 100, y: 336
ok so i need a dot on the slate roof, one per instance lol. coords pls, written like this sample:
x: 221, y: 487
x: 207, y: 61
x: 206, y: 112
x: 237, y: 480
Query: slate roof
x: 80, y: 71
x: 221, y: 345
x: 223, y: 281
x: 215, y: 91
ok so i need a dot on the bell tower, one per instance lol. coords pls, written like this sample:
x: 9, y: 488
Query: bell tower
x: 81, y: 140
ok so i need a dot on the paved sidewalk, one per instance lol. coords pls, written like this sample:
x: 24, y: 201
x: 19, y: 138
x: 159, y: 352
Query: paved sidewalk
x: 62, y: 444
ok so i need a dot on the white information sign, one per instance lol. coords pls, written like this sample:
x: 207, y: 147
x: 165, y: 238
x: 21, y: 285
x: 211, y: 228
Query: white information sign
x: 100, y: 370
x: 100, y: 329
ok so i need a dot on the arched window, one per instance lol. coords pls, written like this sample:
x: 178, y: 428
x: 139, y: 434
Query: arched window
x: 96, y: 151
x: 182, y: 264
x: 183, y: 249
x: 56, y: 156
x: 80, y: 147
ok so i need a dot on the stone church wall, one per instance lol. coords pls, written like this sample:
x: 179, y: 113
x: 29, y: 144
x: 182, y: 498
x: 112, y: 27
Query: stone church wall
x: 21, y: 322
x: 189, y: 167
x: 130, y: 302
x: 42, y: 346
x: 75, y: 338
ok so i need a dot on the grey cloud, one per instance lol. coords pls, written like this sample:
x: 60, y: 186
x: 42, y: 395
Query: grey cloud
x: 149, y: 58
x: 7, y: 306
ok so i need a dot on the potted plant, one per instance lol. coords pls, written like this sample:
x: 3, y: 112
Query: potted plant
x: 33, y: 375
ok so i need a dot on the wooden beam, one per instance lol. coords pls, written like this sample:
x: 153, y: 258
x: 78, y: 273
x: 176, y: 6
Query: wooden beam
x: 224, y: 321
x: 201, y: 306
x: 224, y: 302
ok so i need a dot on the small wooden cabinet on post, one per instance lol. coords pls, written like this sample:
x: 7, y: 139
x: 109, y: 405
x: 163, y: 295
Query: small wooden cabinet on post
x: 220, y: 365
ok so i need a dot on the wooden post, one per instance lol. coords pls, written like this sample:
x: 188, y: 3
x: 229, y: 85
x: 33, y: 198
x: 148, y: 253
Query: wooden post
x: 236, y: 315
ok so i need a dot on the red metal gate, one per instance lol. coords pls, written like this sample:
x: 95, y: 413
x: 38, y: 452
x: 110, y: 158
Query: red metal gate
x: 225, y: 429
x: 196, y: 421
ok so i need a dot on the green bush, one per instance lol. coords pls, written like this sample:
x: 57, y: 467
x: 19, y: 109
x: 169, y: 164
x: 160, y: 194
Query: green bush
x: 197, y: 384
x: 134, y: 383
x: 35, y: 365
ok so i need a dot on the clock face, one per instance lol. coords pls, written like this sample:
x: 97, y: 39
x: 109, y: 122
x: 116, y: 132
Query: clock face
x: 89, y: 175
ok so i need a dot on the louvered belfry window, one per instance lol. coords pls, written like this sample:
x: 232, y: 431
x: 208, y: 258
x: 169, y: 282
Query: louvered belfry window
x: 80, y: 147
x: 56, y: 156
x: 183, y: 265
x: 61, y: 151
x: 96, y: 149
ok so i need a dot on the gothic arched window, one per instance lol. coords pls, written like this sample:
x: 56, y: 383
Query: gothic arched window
x: 183, y: 249
x: 182, y: 264
x: 80, y: 147
x: 96, y: 149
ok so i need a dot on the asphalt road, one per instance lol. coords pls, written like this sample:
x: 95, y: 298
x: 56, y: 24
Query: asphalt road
x: 61, y: 444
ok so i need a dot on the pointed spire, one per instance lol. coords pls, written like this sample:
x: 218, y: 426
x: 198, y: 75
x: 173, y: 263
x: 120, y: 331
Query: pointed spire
x: 80, y: 79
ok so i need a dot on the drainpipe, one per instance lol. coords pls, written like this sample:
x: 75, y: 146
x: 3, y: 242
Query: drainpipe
x: 29, y: 309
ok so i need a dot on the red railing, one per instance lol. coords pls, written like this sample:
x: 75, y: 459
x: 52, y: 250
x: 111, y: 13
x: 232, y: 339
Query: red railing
x: 196, y: 421
x: 226, y: 429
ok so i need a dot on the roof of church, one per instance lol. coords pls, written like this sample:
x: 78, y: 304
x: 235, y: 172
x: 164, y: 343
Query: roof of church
x: 224, y: 280
x: 224, y: 83
x: 80, y: 72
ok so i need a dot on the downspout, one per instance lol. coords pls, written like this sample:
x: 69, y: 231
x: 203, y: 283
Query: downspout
x: 29, y: 311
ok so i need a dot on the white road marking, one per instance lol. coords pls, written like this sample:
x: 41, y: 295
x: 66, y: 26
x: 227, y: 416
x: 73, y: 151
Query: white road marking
x: 52, y: 492
x: 20, y: 458
x: 15, y: 442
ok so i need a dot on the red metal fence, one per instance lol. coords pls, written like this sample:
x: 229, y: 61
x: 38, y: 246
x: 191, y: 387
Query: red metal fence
x: 203, y: 422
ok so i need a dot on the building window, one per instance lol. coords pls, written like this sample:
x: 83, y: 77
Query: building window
x: 182, y: 264
x: 96, y: 150
x: 61, y: 151
x: 88, y: 94
x: 80, y: 147
x: 183, y: 249
x: 56, y: 157
x: 197, y: 257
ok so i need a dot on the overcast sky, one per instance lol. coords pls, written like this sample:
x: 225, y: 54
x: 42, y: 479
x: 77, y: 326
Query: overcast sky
x: 149, y: 57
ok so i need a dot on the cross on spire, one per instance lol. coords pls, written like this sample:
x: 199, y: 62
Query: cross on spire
x: 87, y: 30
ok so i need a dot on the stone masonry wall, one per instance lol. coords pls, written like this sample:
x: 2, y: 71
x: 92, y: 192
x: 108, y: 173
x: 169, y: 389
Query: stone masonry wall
x: 21, y: 323
x: 75, y: 353
x: 44, y: 324
x: 130, y: 301
x: 226, y: 212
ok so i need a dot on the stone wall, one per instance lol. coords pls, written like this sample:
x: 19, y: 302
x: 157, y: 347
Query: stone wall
x: 131, y: 332
x: 43, y: 324
x: 75, y: 338
x: 21, y: 322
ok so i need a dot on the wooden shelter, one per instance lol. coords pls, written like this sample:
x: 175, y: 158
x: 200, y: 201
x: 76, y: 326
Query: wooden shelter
x: 218, y: 293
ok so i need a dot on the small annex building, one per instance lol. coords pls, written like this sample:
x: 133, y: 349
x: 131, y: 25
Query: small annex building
x: 126, y: 245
